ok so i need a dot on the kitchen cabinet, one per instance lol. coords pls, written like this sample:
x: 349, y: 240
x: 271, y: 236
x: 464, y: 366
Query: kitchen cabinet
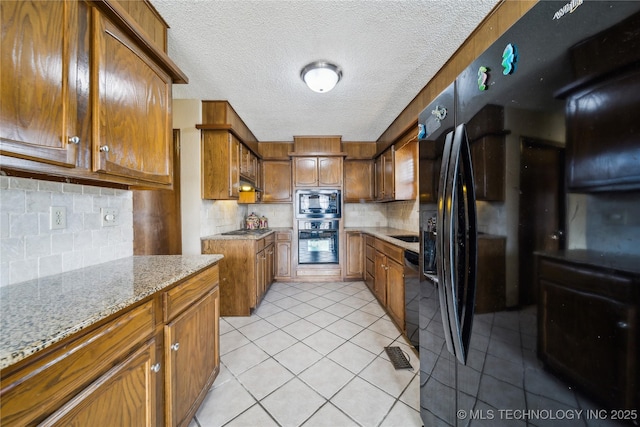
x: 86, y: 373
x: 220, y: 165
x: 385, y: 176
x: 370, y: 261
x: 602, y: 143
x: 67, y: 111
x: 396, y: 172
x: 317, y: 171
x: 192, y: 357
x: 389, y: 280
x: 248, y: 165
x: 116, y: 371
x: 586, y: 309
x: 283, y: 255
x: 491, y: 279
x: 118, y: 397
x: 39, y: 105
x: 354, y: 265
x: 246, y: 272
x: 131, y: 139
x: 276, y: 181
x: 359, y: 184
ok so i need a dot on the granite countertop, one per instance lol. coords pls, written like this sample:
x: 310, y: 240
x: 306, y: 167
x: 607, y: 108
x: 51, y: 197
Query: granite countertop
x: 385, y: 233
x: 256, y: 236
x: 38, y: 313
x: 609, y: 261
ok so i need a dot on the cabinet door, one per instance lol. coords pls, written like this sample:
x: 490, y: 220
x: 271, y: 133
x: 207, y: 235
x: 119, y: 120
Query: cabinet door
x: 380, y: 279
x: 379, y: 178
x: 359, y: 181
x: 192, y: 355
x: 395, y: 292
x: 131, y: 100
x: 305, y: 171
x: 329, y: 171
x: 271, y: 257
x: 276, y: 181
x: 388, y: 174
x: 261, y: 276
x: 574, y: 323
x: 39, y: 57
x: 124, y: 396
x: 283, y: 254
x: 354, y: 255
x: 406, y: 171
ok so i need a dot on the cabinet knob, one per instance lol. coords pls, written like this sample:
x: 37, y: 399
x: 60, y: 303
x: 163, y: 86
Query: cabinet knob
x: 74, y: 140
x: 175, y: 346
x: 104, y: 149
x: 155, y: 367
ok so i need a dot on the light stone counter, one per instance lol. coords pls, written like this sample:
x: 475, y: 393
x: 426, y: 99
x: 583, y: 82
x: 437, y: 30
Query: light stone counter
x: 385, y: 233
x: 40, y: 312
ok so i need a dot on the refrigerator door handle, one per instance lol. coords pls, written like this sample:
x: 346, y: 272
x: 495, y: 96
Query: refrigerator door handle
x: 457, y: 265
x: 443, y: 264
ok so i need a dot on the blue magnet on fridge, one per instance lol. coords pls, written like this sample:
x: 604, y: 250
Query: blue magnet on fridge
x: 509, y: 59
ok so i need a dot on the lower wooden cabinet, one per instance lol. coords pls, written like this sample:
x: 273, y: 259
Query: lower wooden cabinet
x: 354, y: 255
x: 370, y: 261
x: 114, y: 374
x: 192, y: 355
x: 588, y: 329
x: 246, y: 271
x: 283, y: 255
x: 389, y: 280
x: 125, y: 395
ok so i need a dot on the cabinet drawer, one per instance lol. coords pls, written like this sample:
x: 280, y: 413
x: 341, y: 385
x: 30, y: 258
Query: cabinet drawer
x: 42, y: 387
x: 370, y: 267
x: 283, y: 236
x: 396, y: 253
x: 269, y: 239
x: 370, y: 252
x: 369, y: 240
x: 586, y: 279
x: 183, y: 295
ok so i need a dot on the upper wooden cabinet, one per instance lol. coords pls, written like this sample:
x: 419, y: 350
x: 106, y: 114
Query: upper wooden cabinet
x: 86, y: 94
x: 39, y: 56
x: 317, y: 171
x: 220, y: 165
x: 130, y: 138
x: 276, y: 181
x: 396, y: 171
x: 359, y: 185
x: 385, y: 176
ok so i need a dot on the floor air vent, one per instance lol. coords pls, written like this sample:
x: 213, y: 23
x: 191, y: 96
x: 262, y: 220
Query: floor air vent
x: 398, y: 358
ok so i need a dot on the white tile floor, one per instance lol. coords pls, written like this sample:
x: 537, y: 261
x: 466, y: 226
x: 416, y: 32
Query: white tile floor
x: 312, y: 354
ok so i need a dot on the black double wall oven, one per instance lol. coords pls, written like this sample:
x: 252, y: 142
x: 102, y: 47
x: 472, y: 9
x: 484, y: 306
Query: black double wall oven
x: 318, y: 212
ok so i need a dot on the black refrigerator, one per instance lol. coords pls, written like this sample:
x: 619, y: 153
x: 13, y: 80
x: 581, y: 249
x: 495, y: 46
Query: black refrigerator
x: 482, y: 368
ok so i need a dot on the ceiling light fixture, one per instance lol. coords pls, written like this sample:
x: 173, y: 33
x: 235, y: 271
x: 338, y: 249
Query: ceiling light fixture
x: 321, y: 76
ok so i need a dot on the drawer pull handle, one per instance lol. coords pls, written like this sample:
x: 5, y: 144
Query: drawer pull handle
x: 74, y: 140
x: 175, y: 346
x: 155, y: 367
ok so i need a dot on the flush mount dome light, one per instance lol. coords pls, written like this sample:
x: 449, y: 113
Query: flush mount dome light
x: 321, y: 76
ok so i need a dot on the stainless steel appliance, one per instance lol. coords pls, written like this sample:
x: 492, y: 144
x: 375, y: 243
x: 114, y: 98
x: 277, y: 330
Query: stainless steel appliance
x: 321, y: 203
x: 483, y: 369
x: 318, y: 242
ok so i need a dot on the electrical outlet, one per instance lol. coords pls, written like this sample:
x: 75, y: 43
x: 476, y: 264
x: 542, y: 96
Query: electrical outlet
x: 58, y: 217
x: 110, y: 217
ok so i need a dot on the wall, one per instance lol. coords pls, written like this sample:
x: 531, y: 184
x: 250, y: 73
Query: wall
x: 200, y: 217
x: 29, y: 249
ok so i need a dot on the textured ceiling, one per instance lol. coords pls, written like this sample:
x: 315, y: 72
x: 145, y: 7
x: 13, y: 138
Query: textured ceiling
x: 251, y: 53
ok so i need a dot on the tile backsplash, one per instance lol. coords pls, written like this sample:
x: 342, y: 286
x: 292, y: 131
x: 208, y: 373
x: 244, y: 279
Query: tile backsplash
x: 30, y: 249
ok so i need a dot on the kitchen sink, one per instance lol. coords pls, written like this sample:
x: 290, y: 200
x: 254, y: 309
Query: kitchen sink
x: 409, y: 238
x: 247, y: 232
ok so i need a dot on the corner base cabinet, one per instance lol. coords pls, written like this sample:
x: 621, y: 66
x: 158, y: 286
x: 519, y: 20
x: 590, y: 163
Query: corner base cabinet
x: 116, y: 372
x: 590, y: 311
